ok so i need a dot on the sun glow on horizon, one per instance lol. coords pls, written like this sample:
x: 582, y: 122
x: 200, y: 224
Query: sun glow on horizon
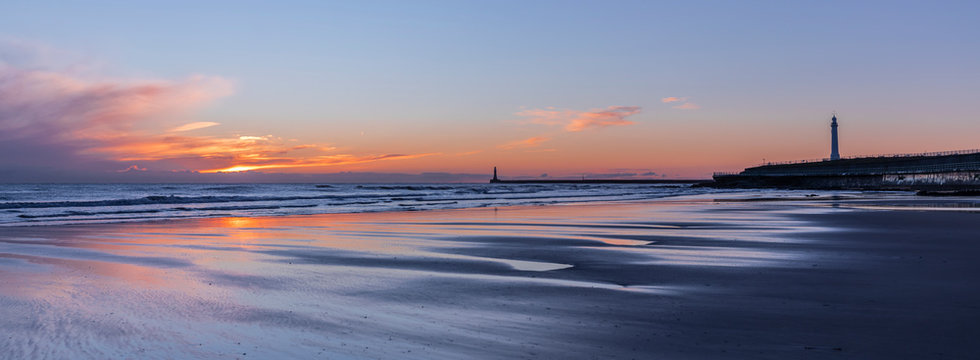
x: 240, y: 168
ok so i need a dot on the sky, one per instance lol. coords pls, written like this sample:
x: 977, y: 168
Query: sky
x: 421, y: 91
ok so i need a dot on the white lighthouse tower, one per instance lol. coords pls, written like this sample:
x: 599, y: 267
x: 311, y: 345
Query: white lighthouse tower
x: 834, y: 151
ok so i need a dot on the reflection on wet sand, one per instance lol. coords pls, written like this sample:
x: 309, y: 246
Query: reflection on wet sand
x: 511, y: 282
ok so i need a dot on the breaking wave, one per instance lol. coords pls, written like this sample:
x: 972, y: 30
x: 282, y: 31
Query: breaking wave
x: 71, y: 203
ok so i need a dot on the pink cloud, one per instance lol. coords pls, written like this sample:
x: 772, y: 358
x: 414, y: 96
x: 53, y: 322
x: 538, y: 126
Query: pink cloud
x: 687, y: 105
x: 612, y: 116
x: 526, y: 143
x: 75, y: 108
x: 131, y: 168
x: 574, y: 121
x: 60, y: 121
x: 194, y: 126
x: 318, y: 161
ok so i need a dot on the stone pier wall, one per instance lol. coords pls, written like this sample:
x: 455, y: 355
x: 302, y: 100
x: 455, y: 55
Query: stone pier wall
x: 926, y: 181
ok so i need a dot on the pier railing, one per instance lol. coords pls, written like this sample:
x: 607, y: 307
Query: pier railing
x: 877, y: 156
x: 939, y: 162
x: 871, y: 170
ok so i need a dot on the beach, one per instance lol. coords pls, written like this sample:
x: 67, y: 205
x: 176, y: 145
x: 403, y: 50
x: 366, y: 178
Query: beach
x: 735, y: 275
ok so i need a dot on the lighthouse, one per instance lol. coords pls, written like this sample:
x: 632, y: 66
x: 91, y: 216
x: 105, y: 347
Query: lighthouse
x: 834, y: 151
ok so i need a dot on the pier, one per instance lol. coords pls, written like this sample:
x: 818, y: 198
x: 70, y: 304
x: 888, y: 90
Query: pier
x: 602, y: 181
x: 957, y: 171
x: 496, y: 180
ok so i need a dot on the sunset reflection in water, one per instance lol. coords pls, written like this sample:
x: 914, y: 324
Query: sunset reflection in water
x: 324, y: 278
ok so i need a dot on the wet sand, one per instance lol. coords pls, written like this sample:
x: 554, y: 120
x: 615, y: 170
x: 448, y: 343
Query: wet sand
x: 683, y: 278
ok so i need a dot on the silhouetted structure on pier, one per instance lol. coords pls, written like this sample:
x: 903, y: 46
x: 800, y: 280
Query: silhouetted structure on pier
x: 834, y: 151
x: 951, y: 170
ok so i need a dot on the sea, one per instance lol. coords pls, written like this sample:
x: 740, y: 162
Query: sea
x: 56, y: 204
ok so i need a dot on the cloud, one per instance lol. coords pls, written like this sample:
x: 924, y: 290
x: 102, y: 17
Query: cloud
x: 194, y: 126
x: 58, y: 119
x: 71, y: 108
x: 574, y: 121
x: 687, y: 106
x: 64, y: 124
x: 319, y: 161
x: 131, y: 168
x: 526, y: 143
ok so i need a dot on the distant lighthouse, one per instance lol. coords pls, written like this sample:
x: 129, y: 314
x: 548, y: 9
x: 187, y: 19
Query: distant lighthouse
x: 834, y: 151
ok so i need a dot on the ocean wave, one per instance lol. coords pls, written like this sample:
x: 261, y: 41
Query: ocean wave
x: 109, y: 219
x: 406, y: 187
x: 173, y: 199
x: 85, y: 213
x: 62, y: 204
x: 244, y: 207
x: 357, y: 203
x: 513, y: 198
x: 228, y: 188
x: 156, y: 211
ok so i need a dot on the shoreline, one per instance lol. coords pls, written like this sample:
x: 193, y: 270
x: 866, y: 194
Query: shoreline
x: 62, y: 204
x: 687, y: 277
x: 796, y: 195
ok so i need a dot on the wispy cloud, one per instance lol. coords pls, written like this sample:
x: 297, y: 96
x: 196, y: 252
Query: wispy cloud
x: 526, y: 143
x: 573, y: 120
x: 318, y: 161
x: 687, y: 105
x: 131, y: 168
x: 194, y: 126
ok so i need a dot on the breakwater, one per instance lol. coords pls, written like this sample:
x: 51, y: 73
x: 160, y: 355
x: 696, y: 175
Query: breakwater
x: 598, y: 181
x: 958, y: 170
